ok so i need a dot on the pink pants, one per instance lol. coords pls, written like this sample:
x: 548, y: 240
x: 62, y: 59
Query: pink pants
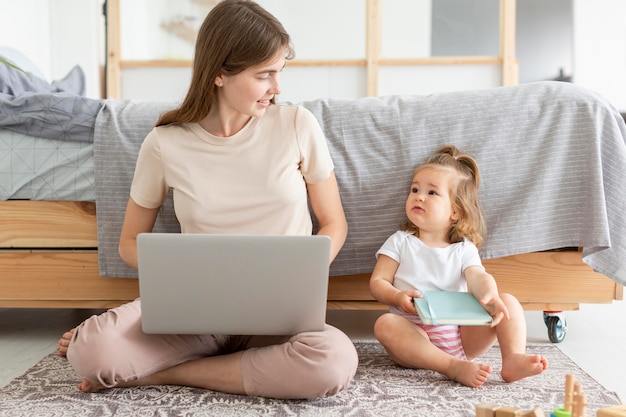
x: 111, y: 348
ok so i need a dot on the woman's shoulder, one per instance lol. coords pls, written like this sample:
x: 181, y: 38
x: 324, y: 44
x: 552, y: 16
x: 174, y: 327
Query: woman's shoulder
x: 292, y: 111
x: 173, y: 130
x: 161, y: 137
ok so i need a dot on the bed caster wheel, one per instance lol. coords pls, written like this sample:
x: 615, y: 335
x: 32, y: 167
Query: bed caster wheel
x: 557, y: 326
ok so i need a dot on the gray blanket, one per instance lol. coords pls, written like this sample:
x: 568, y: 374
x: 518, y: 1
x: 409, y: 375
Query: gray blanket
x: 120, y: 128
x: 57, y: 110
x: 552, y: 157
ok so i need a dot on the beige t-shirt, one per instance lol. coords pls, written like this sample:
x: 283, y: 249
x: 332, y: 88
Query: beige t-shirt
x: 252, y: 182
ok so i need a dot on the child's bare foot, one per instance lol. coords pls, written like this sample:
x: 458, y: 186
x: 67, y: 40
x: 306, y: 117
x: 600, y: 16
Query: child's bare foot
x: 64, y: 342
x: 468, y: 373
x: 517, y: 366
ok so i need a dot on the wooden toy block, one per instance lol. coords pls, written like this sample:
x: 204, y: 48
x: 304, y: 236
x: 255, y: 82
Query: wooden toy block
x: 508, y: 412
x: 615, y: 411
x: 569, y: 392
x: 493, y: 410
x: 579, y: 401
x: 535, y: 412
x: 575, y: 403
x: 486, y: 410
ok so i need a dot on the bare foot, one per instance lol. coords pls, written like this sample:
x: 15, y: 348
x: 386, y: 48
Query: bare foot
x: 64, y: 342
x: 88, y: 386
x: 517, y: 366
x: 468, y: 373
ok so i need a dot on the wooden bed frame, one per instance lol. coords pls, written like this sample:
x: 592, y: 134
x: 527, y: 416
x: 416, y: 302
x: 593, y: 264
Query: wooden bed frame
x: 49, y: 259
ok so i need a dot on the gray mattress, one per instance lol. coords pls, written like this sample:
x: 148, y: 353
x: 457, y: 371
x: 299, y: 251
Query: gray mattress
x: 33, y: 168
x: 552, y: 156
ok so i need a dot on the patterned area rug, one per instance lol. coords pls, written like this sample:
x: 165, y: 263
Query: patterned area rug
x: 380, y: 389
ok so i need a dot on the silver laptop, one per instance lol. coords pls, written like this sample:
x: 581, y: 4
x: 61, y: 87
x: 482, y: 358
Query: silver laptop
x: 232, y: 284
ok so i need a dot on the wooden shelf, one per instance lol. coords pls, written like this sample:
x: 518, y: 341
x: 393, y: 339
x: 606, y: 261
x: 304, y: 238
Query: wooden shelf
x: 372, y: 61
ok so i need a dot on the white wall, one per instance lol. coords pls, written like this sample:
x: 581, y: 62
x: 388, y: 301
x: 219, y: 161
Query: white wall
x: 57, y: 34
x: 600, y: 48
x: 25, y: 27
x: 77, y: 38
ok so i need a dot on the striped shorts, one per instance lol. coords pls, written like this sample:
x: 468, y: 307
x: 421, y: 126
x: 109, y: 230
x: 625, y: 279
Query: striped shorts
x: 446, y: 337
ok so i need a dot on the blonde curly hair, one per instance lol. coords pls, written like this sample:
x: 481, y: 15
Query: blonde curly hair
x: 463, y: 194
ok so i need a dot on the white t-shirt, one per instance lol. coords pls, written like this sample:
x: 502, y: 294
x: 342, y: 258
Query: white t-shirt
x: 425, y: 268
x: 252, y: 182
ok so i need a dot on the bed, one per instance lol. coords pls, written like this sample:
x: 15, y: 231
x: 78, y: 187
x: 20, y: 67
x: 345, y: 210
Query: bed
x: 552, y: 157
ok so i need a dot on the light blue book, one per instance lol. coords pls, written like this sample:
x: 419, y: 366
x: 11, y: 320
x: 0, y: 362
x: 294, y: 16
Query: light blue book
x: 451, y: 307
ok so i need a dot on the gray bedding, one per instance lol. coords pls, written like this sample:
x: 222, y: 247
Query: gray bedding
x: 56, y: 110
x: 120, y: 128
x: 46, y: 137
x: 33, y: 168
x: 552, y: 157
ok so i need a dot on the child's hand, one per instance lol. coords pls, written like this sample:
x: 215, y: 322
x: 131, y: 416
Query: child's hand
x: 495, y: 307
x: 404, y: 300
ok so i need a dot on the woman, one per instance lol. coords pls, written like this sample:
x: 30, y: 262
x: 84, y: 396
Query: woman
x: 237, y: 163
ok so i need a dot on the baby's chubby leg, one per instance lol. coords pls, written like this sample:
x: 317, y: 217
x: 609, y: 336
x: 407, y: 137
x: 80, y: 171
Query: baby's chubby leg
x: 409, y: 346
x: 516, y: 363
x: 511, y: 337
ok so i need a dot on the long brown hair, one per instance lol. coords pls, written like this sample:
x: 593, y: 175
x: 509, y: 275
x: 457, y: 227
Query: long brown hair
x: 235, y: 35
x: 463, y: 194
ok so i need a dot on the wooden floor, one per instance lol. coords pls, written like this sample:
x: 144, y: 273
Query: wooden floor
x: 596, y: 338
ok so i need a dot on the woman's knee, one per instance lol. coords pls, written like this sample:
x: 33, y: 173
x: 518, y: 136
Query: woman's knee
x: 99, y: 344
x: 336, y: 368
x: 92, y: 350
x: 310, y: 365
